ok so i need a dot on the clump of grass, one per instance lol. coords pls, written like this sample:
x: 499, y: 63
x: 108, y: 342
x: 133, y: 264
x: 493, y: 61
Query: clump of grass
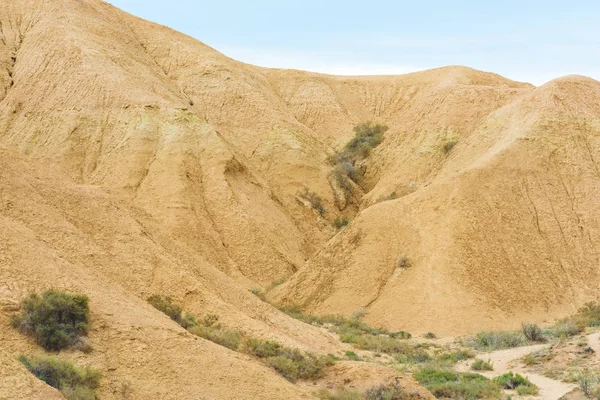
x: 567, y: 328
x: 315, y: 201
x: 532, y: 332
x: 588, y: 382
x: 497, y: 340
x: 340, y: 222
x: 482, y: 365
x: 218, y: 334
x: 73, y: 382
x: 455, y: 356
x: 292, y: 364
x: 430, y: 335
x: 516, y: 382
x: 444, y: 383
x: 392, y: 392
x: 56, y: 319
x: 391, y: 196
x: 339, y: 394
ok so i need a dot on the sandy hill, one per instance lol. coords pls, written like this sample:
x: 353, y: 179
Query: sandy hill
x: 135, y: 160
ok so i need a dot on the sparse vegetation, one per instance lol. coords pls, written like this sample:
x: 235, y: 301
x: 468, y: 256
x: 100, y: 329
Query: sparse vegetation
x: 292, y: 364
x: 340, y: 222
x: 567, y: 328
x: 315, y: 201
x: 340, y: 394
x: 73, y: 382
x: 430, y: 335
x: 444, y: 383
x: 352, y: 356
x: 367, y: 136
x: 387, y: 392
x: 490, y: 341
x: 55, y: 319
x: 482, y: 365
x: 516, y: 382
x: 588, y: 382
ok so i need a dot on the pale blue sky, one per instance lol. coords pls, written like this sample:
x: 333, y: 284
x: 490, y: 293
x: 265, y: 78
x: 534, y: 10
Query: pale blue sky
x: 532, y: 41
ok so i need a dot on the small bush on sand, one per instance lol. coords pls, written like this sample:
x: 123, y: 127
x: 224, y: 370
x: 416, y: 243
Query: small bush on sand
x: 589, y: 314
x: 55, y: 319
x: 449, y: 145
x: 73, y: 382
x: 482, y: 365
x: 387, y: 392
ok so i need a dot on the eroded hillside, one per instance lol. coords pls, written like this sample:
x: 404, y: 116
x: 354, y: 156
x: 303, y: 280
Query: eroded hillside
x: 136, y: 160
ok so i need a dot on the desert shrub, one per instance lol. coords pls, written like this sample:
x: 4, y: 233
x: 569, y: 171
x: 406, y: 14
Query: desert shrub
x: 75, y: 383
x: 567, y: 328
x: 292, y: 364
x: 449, y: 145
x: 430, y: 335
x: 588, y: 382
x: 532, y: 332
x: 449, y: 384
x: 387, y: 392
x: 315, y: 201
x: 482, y: 365
x: 340, y: 222
x: 55, y: 319
x: 497, y: 340
x: 165, y: 305
x: 511, y: 381
x: 403, y: 262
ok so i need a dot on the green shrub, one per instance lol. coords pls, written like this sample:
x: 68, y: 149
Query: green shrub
x: 455, y: 385
x: 497, y: 340
x: 292, y: 364
x: 340, y: 222
x: 55, y: 319
x: 165, y: 305
x: 532, y: 332
x: 567, y: 328
x: 481, y: 365
x: 511, y: 381
x: 74, y: 383
x: 456, y: 356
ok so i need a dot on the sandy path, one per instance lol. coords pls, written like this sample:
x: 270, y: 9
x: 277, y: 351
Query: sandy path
x: 550, y: 389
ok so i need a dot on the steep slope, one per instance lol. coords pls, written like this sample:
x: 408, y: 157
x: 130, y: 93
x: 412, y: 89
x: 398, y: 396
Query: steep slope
x: 506, y: 230
x: 77, y: 238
